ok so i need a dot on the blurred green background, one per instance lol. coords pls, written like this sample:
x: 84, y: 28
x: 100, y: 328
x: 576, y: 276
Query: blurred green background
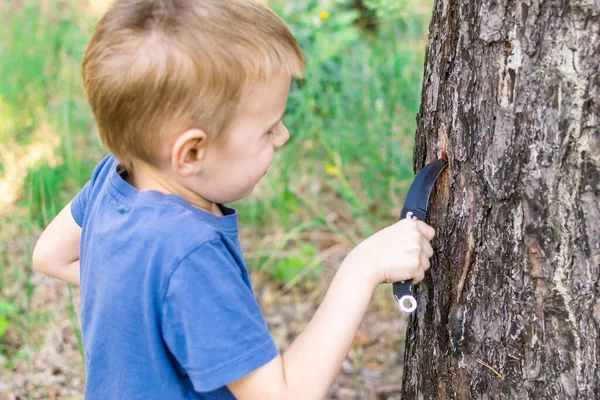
x: 341, y: 177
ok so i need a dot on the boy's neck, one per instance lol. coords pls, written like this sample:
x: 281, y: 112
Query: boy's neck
x: 147, y: 178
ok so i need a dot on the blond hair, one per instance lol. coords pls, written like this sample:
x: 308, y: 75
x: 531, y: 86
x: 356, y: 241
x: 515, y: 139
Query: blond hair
x: 155, y: 68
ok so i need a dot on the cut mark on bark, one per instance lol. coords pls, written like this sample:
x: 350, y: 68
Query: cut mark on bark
x: 465, y: 266
x: 512, y: 65
x: 443, y: 140
x: 490, y: 368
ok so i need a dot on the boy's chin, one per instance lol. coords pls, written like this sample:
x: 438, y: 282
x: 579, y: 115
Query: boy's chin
x: 247, y: 193
x: 241, y: 193
x: 238, y: 196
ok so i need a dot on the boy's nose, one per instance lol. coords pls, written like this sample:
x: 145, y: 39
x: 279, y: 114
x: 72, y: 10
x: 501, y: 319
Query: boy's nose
x: 283, y: 135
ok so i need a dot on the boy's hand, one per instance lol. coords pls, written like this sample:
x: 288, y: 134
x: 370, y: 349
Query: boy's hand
x: 399, y: 252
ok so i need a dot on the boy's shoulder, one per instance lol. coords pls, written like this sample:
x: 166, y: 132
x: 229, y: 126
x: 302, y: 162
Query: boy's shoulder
x: 155, y: 238
x: 162, y: 219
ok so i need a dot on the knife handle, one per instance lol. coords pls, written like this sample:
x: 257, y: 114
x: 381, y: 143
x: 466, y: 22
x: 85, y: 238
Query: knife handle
x: 402, y: 290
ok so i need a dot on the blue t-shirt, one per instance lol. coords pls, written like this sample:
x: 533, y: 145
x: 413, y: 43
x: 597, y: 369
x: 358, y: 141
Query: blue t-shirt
x: 167, y: 309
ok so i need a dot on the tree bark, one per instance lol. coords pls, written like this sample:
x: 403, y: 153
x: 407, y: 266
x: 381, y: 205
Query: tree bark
x: 511, y: 306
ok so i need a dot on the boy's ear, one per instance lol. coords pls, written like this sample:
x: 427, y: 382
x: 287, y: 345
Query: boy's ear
x: 188, y: 151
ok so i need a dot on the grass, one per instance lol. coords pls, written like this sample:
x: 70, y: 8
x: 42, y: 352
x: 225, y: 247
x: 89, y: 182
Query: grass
x: 42, y: 102
x: 340, y: 178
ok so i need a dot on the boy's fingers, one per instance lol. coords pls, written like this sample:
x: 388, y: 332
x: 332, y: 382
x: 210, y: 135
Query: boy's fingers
x: 418, y: 277
x: 425, y: 262
x: 427, y: 249
x: 426, y: 230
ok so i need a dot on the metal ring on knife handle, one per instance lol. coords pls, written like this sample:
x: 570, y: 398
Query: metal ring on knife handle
x: 403, y: 295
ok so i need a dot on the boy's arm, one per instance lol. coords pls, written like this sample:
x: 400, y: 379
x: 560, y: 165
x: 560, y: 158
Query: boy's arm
x: 56, y: 252
x: 309, y: 366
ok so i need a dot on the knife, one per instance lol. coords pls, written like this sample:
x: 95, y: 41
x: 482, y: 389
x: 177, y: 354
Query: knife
x: 415, y: 207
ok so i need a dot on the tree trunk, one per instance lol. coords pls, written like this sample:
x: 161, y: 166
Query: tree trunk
x: 511, y: 306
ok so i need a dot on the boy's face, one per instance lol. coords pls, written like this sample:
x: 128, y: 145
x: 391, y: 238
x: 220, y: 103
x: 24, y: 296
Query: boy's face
x: 237, y: 159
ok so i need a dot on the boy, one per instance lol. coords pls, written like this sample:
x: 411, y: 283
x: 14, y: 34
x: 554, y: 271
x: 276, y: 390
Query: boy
x: 188, y: 96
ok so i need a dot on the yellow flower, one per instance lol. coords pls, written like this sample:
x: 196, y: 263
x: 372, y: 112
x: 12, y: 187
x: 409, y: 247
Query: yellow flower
x: 324, y: 15
x: 331, y: 169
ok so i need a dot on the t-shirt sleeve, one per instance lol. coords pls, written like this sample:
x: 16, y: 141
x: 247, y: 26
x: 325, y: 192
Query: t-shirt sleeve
x: 80, y: 202
x: 211, y: 321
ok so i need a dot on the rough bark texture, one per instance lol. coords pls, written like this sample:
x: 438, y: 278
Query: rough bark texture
x: 511, y: 308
